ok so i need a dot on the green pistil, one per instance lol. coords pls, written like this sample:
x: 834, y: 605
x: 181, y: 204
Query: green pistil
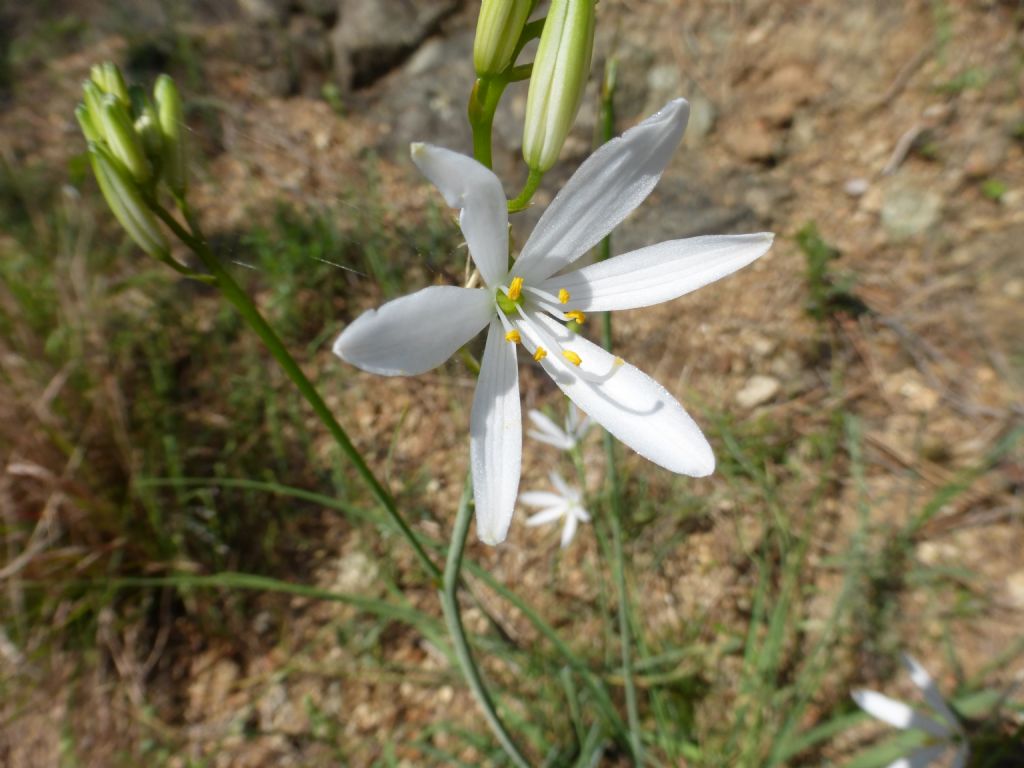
x: 507, y: 305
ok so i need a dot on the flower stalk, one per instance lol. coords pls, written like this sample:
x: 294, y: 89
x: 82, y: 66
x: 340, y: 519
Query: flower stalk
x: 453, y: 619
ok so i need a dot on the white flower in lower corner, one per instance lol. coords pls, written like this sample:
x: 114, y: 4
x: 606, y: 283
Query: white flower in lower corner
x: 539, y: 303
x: 567, y: 502
x: 945, y: 732
x: 576, y: 427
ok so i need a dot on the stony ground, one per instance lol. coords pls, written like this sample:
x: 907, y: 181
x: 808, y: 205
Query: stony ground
x: 895, y: 127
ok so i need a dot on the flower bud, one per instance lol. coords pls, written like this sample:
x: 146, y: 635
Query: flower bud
x: 560, y: 72
x: 108, y: 77
x: 92, y: 96
x: 122, y: 194
x: 118, y: 131
x: 85, y: 121
x: 498, y: 29
x: 147, y: 127
x: 171, y: 120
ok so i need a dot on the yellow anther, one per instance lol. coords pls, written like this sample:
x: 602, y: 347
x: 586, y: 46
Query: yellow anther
x: 540, y: 354
x: 571, y: 356
x: 513, y: 336
x: 563, y: 296
x: 576, y: 315
x: 515, y: 288
x: 618, y: 361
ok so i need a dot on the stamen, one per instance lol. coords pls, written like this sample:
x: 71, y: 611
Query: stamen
x: 515, y: 288
x: 513, y: 336
x: 571, y: 356
x: 563, y: 297
x: 576, y: 315
x: 540, y: 354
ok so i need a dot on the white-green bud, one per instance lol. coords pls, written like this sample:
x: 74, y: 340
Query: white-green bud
x: 92, y: 96
x: 560, y: 72
x: 122, y: 194
x: 172, y: 120
x: 498, y: 29
x: 118, y: 131
x: 147, y: 126
x: 85, y: 121
x: 109, y: 79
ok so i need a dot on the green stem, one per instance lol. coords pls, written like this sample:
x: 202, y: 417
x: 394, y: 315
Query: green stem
x: 194, y: 239
x: 523, y: 198
x: 483, y: 101
x: 453, y: 619
x: 607, y: 131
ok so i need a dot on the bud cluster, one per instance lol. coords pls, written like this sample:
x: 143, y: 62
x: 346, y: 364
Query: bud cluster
x: 558, y: 75
x: 135, y: 142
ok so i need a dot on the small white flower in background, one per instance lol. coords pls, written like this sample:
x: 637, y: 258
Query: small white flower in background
x: 567, y: 503
x: 531, y: 305
x: 945, y: 733
x: 576, y: 428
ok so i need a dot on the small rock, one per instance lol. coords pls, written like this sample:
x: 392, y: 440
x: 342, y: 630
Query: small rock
x: 372, y: 37
x: 790, y: 86
x: 908, y: 210
x: 664, y: 82
x: 1015, y: 588
x: 757, y: 391
x: 212, y: 681
x: 856, y: 187
x: 265, y: 11
x: 702, y: 119
x: 751, y: 141
x: 356, y: 574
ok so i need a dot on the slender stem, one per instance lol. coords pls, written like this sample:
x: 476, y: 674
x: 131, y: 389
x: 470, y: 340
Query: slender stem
x: 453, y: 619
x: 607, y: 130
x: 483, y: 101
x: 194, y: 239
x: 523, y: 198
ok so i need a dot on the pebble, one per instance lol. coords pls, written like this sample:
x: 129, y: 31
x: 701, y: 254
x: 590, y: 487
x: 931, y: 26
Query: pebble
x: 909, y: 210
x: 758, y: 390
x: 856, y: 187
x: 1015, y: 588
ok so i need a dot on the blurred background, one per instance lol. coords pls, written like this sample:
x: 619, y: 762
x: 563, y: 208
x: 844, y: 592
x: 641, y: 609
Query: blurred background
x: 861, y: 385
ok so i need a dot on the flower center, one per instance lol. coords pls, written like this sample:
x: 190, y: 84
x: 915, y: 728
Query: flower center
x: 522, y: 307
x: 511, y: 298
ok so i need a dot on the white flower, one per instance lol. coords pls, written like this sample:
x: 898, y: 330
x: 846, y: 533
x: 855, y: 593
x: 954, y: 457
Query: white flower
x: 945, y: 733
x: 530, y: 303
x: 567, y: 503
x: 576, y: 428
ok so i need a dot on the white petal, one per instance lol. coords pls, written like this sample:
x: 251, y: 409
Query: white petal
x: 547, y: 516
x: 920, y: 758
x: 471, y: 187
x: 554, y: 435
x: 569, y: 530
x: 560, y: 485
x: 930, y: 690
x: 582, y: 515
x: 659, y: 272
x: 415, y: 333
x: 540, y: 499
x: 557, y: 442
x: 610, y: 183
x: 629, y: 404
x: 496, y: 437
x: 897, y: 714
x: 577, y: 423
